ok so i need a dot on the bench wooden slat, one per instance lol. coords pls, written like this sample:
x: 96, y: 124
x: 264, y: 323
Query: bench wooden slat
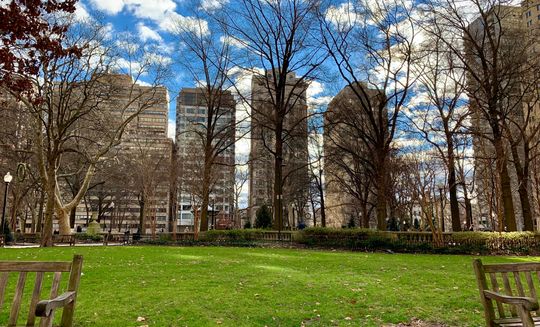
x: 35, y: 299
x: 519, y: 286
x: 30, y: 266
x: 47, y: 322
x: 496, y: 288
x: 508, y: 291
x: 3, y: 283
x: 511, y: 267
x: 532, y: 288
x: 73, y: 285
x: 16, y: 306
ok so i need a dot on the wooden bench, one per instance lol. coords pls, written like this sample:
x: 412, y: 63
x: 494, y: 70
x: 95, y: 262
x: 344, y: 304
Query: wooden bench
x: 116, y: 238
x: 64, y: 239
x: 40, y: 308
x: 512, y: 290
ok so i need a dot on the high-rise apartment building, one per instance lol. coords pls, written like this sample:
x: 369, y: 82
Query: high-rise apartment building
x: 504, y: 25
x: 191, y: 133
x: 349, y: 179
x: 295, y: 149
x: 133, y: 181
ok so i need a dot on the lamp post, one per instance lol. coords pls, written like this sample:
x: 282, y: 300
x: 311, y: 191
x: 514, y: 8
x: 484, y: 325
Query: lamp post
x: 442, y: 207
x: 111, y: 217
x: 7, y: 180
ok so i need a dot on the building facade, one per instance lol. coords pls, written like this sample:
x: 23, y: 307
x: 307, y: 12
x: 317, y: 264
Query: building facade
x: 130, y: 188
x: 192, y: 126
x: 349, y: 183
x: 507, y: 25
x: 295, y: 149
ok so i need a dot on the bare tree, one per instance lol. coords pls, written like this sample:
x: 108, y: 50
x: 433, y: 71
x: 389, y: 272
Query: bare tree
x: 316, y: 173
x: 277, y: 38
x: 240, y: 180
x: 208, y: 59
x: 373, y: 43
x: 492, y: 47
x: 76, y: 100
x: 440, y: 119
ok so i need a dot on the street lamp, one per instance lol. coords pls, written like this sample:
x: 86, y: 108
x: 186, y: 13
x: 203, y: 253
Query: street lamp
x: 111, y: 216
x: 7, y: 180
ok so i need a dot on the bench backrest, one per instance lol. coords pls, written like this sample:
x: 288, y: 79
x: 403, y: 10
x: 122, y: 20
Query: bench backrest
x: 23, y: 271
x: 513, y: 279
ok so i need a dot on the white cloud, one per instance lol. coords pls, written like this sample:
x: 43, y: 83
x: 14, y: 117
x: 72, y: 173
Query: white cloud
x: 154, y: 9
x: 315, y: 88
x: 213, y: 5
x: 176, y: 23
x: 129, y: 66
x: 233, y: 41
x: 343, y: 16
x: 157, y: 59
x: 146, y: 33
x: 111, y: 7
x: 81, y: 14
x: 171, y: 129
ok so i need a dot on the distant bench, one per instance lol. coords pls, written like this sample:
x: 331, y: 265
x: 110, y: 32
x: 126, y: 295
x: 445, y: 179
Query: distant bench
x: 39, y: 308
x: 64, y: 239
x: 117, y: 238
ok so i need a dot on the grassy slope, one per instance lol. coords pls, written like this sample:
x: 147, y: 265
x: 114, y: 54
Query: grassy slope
x: 207, y: 286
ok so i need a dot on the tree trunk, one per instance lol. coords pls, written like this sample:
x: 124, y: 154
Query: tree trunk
x: 63, y: 221
x: 205, y: 195
x: 321, y: 194
x: 40, y: 212
x: 523, y: 190
x: 46, y: 235
x: 142, y: 227
x: 278, y: 177
x: 509, y: 216
x: 452, y: 188
x: 381, y: 194
x: 72, y: 218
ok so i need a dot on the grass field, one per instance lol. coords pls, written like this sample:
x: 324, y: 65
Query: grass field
x: 211, y: 286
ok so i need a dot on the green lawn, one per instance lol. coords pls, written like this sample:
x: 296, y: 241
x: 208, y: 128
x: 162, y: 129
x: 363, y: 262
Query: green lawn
x: 210, y: 286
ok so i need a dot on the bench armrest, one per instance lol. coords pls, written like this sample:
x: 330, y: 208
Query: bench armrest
x: 527, y: 303
x: 45, y: 307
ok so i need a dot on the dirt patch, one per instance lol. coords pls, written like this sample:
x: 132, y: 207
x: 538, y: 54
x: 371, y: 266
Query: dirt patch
x: 416, y: 323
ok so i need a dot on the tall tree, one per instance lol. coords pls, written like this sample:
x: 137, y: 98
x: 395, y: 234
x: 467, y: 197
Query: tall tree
x: 75, y: 99
x: 492, y: 47
x: 440, y: 119
x: 208, y: 59
x: 373, y: 43
x: 278, y: 43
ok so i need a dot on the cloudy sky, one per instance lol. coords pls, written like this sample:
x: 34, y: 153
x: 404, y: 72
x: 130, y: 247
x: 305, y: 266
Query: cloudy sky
x: 153, y: 22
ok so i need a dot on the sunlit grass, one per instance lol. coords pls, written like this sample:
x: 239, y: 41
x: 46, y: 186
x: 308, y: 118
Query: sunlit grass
x: 208, y: 286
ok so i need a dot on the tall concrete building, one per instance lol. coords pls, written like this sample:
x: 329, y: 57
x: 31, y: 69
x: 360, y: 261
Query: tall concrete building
x: 295, y: 158
x: 349, y: 184
x: 191, y: 129
x: 506, y: 25
x: 132, y: 182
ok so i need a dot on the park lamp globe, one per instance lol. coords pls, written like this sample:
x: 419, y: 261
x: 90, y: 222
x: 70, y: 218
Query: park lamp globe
x: 8, y: 178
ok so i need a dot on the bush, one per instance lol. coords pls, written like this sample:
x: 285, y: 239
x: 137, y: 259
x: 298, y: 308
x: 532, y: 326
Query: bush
x: 230, y: 235
x: 263, y: 217
x: 350, y: 238
x: 89, y: 237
